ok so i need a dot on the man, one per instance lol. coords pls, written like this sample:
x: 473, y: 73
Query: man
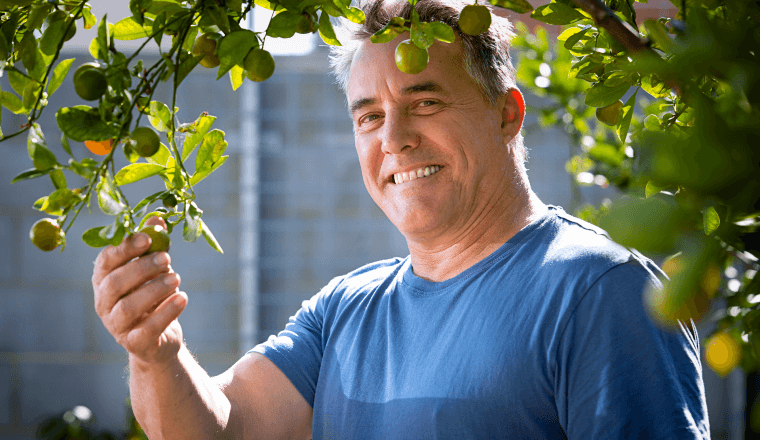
x: 509, y: 319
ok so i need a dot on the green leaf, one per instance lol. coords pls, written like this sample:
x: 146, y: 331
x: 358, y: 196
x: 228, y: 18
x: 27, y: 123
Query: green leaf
x: 266, y: 4
x: 37, y: 148
x: 161, y: 157
x: 91, y: 237
x: 652, y: 123
x: 52, y: 36
x: 65, y: 145
x: 192, y: 228
x: 158, y: 24
x: 83, y: 123
x: 31, y: 174
x: 202, y: 174
x: 711, y: 220
x: 58, y: 179
x: 187, y: 66
x: 654, y: 86
x: 390, y: 31
x: 652, y: 189
x: 441, y: 31
x: 326, y: 30
x: 27, y: 49
x: 237, y: 75
x: 234, y: 47
x: 606, y: 153
x: 102, y: 39
x: 108, y: 199
x: 354, y: 15
x: 89, y: 19
x: 422, y: 36
x: 37, y: 14
x: 113, y: 233
x: 283, y: 25
x: 210, y: 150
x: 12, y: 102
x: 59, y: 74
x: 18, y: 81
x: 556, y: 13
x: 601, y: 96
x: 575, y: 38
x: 147, y: 201
x: 31, y: 93
x: 624, y: 122
x: 160, y: 116
x: 129, y: 29
x: 57, y: 201
x: 200, y: 127
x: 519, y: 6
x: 210, y: 239
x: 137, y: 171
x: 219, y: 17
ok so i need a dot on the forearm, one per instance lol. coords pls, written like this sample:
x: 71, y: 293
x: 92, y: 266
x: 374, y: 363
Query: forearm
x: 178, y: 400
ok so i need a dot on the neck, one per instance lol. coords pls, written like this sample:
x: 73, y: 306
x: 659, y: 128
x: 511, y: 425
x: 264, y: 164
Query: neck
x: 449, y: 255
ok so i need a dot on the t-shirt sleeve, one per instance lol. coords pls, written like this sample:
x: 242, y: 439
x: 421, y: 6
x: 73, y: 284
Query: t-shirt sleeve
x: 297, y: 350
x: 619, y: 375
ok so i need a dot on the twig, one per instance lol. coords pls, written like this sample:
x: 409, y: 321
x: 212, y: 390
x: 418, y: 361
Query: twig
x: 622, y: 32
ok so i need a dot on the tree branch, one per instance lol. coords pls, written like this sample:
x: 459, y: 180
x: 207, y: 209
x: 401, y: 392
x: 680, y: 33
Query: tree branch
x: 603, y: 16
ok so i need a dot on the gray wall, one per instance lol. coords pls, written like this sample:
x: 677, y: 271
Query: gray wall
x: 316, y: 221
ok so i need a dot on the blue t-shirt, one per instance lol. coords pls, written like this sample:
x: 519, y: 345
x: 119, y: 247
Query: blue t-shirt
x: 546, y: 338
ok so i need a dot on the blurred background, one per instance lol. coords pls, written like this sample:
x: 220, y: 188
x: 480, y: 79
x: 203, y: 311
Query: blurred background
x: 289, y: 209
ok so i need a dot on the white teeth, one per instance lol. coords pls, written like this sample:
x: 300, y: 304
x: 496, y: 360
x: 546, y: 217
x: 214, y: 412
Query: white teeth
x: 412, y: 175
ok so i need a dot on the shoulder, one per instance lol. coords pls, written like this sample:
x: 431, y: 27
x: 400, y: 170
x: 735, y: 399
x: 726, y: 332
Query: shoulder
x: 363, y: 280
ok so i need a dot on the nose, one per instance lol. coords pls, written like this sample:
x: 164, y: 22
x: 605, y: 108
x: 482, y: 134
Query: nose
x: 398, y: 133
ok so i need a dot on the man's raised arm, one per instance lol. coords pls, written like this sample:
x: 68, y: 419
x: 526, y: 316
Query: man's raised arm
x: 138, y: 300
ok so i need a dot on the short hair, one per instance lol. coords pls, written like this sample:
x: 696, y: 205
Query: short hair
x: 487, y: 58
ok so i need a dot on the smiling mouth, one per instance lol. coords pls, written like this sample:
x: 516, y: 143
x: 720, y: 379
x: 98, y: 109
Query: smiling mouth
x: 416, y: 174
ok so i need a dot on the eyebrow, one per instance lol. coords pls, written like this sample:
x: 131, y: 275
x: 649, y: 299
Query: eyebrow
x: 428, y: 86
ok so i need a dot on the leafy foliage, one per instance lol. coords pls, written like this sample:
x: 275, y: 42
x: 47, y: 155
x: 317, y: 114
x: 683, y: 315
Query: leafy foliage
x: 673, y: 126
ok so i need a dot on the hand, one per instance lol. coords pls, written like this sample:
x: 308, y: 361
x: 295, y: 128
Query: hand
x: 138, y: 298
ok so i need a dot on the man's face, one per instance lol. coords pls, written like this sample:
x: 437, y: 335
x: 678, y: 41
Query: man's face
x: 437, y: 119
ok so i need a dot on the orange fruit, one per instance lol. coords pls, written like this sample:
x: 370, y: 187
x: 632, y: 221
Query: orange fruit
x: 101, y: 148
x: 46, y: 234
x: 410, y: 58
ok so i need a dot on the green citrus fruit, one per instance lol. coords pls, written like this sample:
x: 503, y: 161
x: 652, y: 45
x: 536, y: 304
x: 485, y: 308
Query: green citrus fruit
x: 410, y: 58
x: 46, y: 234
x: 474, y: 19
x: 206, y: 45
x: 146, y: 140
x: 169, y: 201
x: 259, y: 65
x: 609, y: 115
x: 90, y: 82
x: 722, y: 353
x: 160, y: 240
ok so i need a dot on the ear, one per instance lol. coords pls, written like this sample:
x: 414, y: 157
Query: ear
x: 513, y: 113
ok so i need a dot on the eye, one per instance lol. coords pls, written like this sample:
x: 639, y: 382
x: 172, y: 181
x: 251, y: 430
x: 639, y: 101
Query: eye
x: 428, y: 103
x: 368, y: 118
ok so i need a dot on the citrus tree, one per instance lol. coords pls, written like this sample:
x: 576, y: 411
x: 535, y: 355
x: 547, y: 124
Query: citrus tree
x: 664, y: 110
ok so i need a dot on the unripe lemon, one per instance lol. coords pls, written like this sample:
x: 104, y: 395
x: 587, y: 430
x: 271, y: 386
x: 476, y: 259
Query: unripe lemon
x: 46, y: 234
x: 146, y: 140
x: 722, y: 353
x: 205, y: 45
x: 474, y: 19
x: 160, y: 240
x: 169, y: 201
x: 259, y: 65
x: 410, y: 58
x: 90, y: 82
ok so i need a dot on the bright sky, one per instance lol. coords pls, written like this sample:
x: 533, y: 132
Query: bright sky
x: 116, y: 10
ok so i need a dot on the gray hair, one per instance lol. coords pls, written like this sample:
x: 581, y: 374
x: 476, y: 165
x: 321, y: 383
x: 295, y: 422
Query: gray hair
x: 487, y: 58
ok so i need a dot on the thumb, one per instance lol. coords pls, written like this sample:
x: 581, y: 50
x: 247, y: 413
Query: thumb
x: 156, y: 221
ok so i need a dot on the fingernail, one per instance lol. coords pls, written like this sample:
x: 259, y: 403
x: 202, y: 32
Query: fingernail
x: 161, y: 259
x: 141, y: 240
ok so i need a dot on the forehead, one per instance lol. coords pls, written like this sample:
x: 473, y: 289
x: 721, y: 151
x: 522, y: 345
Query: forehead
x: 374, y: 70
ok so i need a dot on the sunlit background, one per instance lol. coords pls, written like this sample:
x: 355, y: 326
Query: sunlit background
x: 289, y: 208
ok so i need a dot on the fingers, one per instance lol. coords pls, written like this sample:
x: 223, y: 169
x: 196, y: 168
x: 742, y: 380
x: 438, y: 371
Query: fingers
x: 127, y: 278
x: 112, y: 257
x: 156, y: 221
x: 134, y: 307
x: 150, y: 329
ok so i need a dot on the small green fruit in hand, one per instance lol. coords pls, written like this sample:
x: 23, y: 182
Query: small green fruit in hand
x: 410, y: 58
x: 609, y: 115
x: 259, y: 65
x: 90, y: 82
x: 146, y: 140
x: 474, y: 19
x: 160, y: 240
x: 46, y: 234
x: 169, y: 201
x: 206, y: 45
